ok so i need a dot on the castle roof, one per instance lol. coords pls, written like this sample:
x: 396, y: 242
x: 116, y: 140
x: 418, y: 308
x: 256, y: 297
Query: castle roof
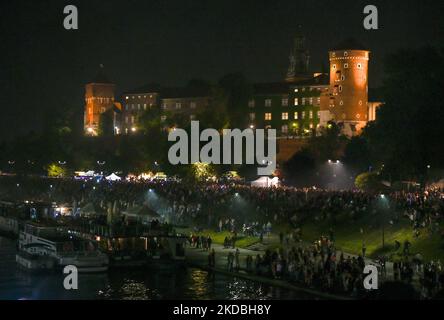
x: 322, y: 79
x: 183, y: 92
x: 271, y: 88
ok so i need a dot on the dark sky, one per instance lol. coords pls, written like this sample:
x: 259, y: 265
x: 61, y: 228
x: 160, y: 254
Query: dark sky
x: 43, y: 66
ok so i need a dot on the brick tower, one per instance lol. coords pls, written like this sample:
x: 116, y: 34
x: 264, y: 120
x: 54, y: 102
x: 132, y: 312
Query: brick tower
x: 348, y: 92
x: 99, y: 98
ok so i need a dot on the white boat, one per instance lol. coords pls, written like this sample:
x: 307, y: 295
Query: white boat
x: 38, y: 244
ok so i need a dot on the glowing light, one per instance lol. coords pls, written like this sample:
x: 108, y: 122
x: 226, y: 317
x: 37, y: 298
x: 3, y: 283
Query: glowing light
x: 133, y: 129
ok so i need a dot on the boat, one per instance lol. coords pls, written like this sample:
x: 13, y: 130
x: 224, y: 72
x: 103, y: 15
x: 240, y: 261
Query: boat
x: 39, y: 244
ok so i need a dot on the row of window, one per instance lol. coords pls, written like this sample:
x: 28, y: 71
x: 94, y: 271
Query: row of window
x: 284, y: 102
x: 139, y: 97
x: 137, y: 106
x: 178, y: 105
x: 358, y: 65
x: 285, y: 115
x: 100, y: 99
x: 346, y: 54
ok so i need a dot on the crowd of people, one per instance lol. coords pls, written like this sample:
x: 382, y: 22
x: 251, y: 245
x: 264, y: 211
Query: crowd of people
x: 253, y: 211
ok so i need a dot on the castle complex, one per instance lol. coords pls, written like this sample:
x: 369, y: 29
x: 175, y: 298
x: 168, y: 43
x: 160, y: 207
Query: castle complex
x: 299, y: 106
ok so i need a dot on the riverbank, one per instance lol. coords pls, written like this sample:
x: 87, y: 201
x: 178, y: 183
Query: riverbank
x: 197, y: 257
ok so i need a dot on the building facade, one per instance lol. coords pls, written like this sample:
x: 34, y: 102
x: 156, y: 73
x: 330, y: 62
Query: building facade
x: 299, y: 106
x: 346, y: 101
x: 99, y: 98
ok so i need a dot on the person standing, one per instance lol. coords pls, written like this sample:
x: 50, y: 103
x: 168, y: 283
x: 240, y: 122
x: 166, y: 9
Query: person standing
x: 364, y: 249
x: 209, y: 242
x: 236, y: 260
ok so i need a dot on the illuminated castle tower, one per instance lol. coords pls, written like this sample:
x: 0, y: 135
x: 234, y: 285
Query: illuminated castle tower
x: 99, y: 98
x: 299, y: 60
x: 347, y: 102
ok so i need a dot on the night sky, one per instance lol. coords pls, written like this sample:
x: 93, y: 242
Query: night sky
x: 44, y: 67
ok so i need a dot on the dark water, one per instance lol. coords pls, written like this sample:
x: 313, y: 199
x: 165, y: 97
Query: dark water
x: 149, y: 284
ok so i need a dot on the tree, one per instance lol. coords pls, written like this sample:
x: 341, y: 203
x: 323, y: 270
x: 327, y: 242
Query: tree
x: 407, y: 134
x: 106, y: 123
x: 368, y: 181
x: 56, y: 171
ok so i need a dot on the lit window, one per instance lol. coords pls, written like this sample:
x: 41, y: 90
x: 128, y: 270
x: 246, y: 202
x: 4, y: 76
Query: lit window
x: 303, y: 114
x: 311, y: 125
x: 284, y: 128
x: 268, y: 116
x: 268, y: 102
x: 144, y: 106
x: 311, y: 114
x: 310, y: 101
x: 319, y: 114
x: 318, y: 100
x: 296, y: 101
x: 284, y: 115
x: 296, y: 115
x: 138, y: 106
x: 284, y: 102
x: 251, y: 103
x: 303, y: 101
x: 132, y: 119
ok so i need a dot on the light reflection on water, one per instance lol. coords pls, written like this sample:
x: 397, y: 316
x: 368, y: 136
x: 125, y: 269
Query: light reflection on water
x: 149, y: 284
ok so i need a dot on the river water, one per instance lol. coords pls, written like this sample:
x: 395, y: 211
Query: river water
x: 130, y: 284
